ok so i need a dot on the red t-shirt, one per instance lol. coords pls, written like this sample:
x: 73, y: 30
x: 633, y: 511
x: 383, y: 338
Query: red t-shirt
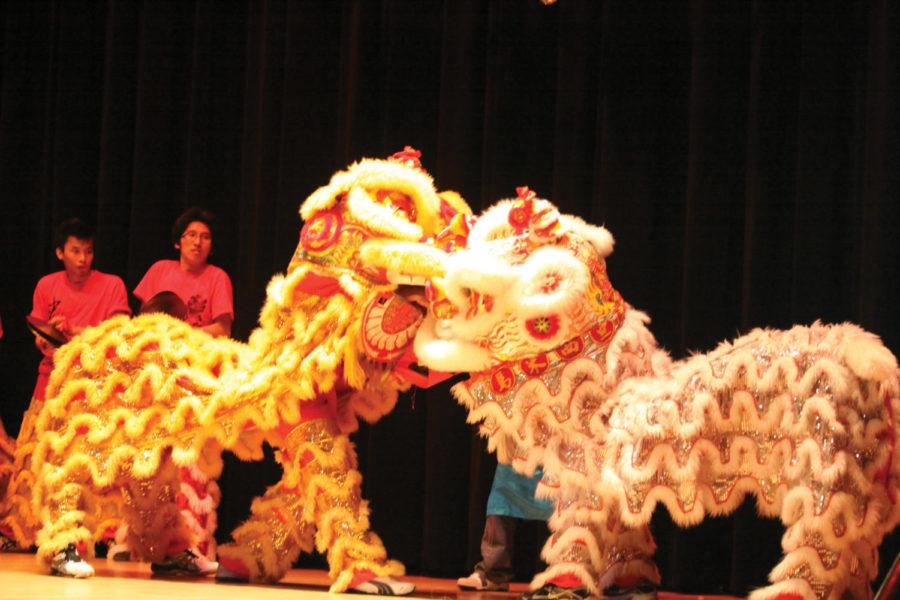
x: 207, y: 294
x: 97, y: 299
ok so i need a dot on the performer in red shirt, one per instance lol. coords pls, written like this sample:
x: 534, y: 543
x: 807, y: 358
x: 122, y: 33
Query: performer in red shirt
x: 206, y: 291
x: 204, y: 288
x: 76, y: 297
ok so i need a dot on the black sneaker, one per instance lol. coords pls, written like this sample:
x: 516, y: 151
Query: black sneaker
x: 68, y: 563
x: 554, y: 592
x: 384, y: 586
x: 644, y: 590
x: 120, y: 556
x: 185, y: 563
x: 7, y: 544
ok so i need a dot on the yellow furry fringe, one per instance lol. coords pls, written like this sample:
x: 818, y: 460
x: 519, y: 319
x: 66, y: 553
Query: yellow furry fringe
x: 128, y: 392
x: 316, y: 502
x: 371, y: 175
x: 131, y: 399
x: 16, y: 513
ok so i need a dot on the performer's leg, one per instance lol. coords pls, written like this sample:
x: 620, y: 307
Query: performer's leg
x: 625, y: 567
x: 569, y: 550
x: 495, y: 570
x: 119, y: 550
x: 18, y: 523
x: 266, y: 545
x: 317, y: 501
x: 497, y: 545
x: 591, y: 553
x: 333, y: 501
x: 826, y: 556
x: 7, y: 452
x: 198, y: 499
x: 64, y: 539
x: 156, y: 530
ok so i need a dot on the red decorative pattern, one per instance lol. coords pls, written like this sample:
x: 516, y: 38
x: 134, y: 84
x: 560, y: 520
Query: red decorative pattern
x: 503, y: 380
x: 543, y: 328
x: 389, y: 325
x: 322, y: 231
x: 603, y: 332
x: 572, y: 348
x: 535, y: 365
x: 409, y: 157
x: 519, y: 216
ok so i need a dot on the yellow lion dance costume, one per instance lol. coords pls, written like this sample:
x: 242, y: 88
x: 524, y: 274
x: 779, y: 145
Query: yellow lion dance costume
x: 132, y: 400
x: 565, y: 375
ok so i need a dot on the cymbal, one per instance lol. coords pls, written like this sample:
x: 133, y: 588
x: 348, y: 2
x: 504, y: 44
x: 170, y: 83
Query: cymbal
x: 165, y: 302
x: 45, y: 330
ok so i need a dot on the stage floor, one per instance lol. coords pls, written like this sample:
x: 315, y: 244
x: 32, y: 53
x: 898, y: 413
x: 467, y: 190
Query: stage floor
x: 22, y: 579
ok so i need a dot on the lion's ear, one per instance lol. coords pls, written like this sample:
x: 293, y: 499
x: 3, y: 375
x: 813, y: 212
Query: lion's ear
x: 404, y: 262
x: 551, y: 280
x: 599, y: 237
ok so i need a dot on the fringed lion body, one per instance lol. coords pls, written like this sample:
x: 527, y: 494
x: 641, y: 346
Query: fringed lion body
x: 794, y: 418
x: 132, y: 401
x: 801, y: 419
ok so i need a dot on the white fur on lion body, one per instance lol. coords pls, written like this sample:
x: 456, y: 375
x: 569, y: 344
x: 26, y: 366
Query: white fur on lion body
x: 802, y: 419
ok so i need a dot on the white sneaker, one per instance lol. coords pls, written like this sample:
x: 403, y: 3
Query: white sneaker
x: 68, y: 563
x: 385, y: 586
x: 478, y: 582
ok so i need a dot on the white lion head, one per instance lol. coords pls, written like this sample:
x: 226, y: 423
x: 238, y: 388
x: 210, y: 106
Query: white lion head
x: 528, y: 281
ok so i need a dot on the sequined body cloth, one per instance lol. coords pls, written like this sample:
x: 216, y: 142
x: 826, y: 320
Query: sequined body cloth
x: 805, y: 420
x: 781, y: 415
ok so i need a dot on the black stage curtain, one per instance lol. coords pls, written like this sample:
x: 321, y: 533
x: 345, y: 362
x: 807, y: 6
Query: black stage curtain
x: 744, y: 153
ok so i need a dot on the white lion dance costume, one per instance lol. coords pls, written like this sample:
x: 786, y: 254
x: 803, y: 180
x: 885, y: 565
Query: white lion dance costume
x: 132, y: 400
x: 566, y: 375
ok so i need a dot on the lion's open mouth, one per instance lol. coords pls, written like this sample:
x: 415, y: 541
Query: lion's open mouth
x: 437, y: 348
x: 415, y: 295
x: 389, y: 325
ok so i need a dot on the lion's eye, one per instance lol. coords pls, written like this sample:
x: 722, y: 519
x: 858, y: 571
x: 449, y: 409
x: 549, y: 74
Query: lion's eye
x: 550, y: 282
x: 401, y: 204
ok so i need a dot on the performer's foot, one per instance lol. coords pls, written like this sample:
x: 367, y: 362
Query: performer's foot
x: 7, y: 544
x: 185, y: 563
x: 384, y: 586
x: 118, y: 553
x: 641, y: 590
x: 479, y: 582
x: 223, y: 573
x: 554, y: 592
x: 68, y: 563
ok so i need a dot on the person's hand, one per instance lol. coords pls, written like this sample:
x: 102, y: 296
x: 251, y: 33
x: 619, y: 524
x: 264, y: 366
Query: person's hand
x: 46, y: 348
x: 61, y: 324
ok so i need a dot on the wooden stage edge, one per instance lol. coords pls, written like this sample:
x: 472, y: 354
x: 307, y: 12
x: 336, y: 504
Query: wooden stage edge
x: 22, y: 579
